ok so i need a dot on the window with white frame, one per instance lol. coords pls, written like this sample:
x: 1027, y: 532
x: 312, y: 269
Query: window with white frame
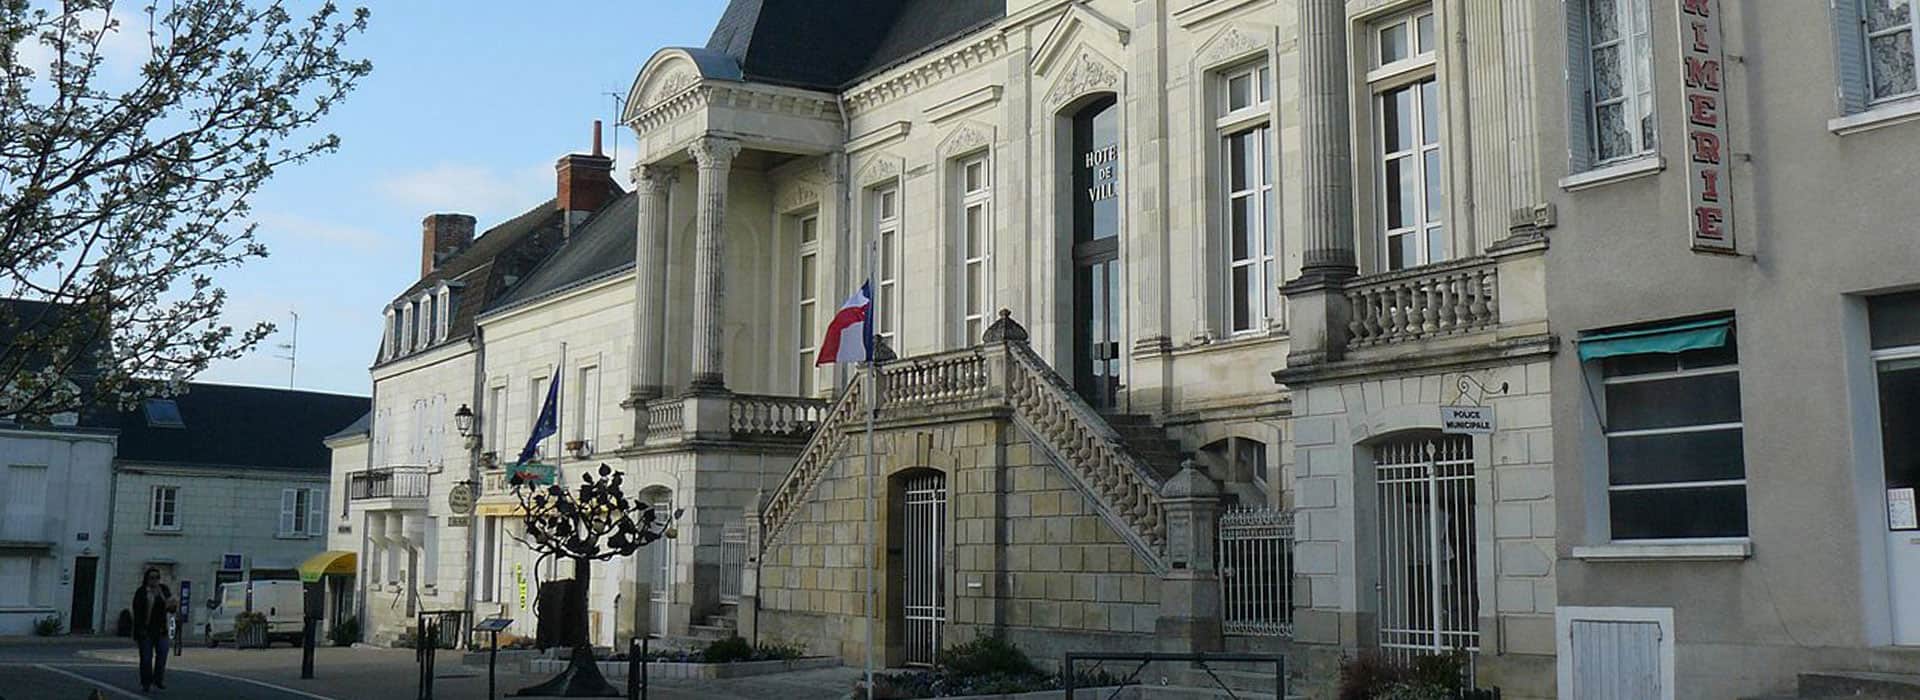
x: 446, y: 313
x: 430, y: 331
x: 163, y: 511
x: 301, y: 513
x: 23, y: 504
x: 1245, y: 128
x: 1889, y: 39
x: 975, y: 236
x: 587, y: 406
x: 496, y: 420
x: 1406, y: 143
x: 390, y: 336
x: 886, y: 232
x: 1610, y: 67
x: 807, y: 281
x: 1675, y: 462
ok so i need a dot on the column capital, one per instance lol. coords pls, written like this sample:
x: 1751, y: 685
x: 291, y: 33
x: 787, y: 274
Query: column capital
x: 653, y: 178
x: 714, y: 152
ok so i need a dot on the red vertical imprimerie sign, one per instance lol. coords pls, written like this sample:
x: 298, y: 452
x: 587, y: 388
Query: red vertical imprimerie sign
x: 1710, y: 191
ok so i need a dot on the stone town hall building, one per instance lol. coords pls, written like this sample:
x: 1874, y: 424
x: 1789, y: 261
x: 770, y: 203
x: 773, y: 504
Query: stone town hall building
x: 1246, y: 251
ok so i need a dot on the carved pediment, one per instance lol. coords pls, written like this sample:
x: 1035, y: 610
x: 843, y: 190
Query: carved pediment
x: 1232, y: 43
x: 966, y: 138
x: 796, y: 197
x: 1090, y: 73
x: 879, y: 168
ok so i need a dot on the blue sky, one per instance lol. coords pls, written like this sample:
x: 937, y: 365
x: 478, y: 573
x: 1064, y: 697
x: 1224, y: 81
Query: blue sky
x: 469, y: 105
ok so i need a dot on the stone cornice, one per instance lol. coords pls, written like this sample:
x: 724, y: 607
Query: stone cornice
x: 1403, y: 362
x: 763, y: 98
x: 928, y: 72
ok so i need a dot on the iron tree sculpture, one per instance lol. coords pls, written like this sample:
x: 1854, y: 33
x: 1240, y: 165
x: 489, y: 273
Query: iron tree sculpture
x: 597, y: 522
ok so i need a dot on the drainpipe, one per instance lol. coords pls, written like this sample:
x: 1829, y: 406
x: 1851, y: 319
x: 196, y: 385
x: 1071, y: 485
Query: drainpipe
x: 473, y: 467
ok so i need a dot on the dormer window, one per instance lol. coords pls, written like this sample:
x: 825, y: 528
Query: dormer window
x: 446, y: 312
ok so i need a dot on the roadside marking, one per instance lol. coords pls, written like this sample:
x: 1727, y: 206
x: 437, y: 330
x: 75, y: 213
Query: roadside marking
x: 88, y: 681
x: 262, y: 684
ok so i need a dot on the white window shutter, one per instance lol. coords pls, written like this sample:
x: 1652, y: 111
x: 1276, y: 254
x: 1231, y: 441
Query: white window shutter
x: 1849, y: 55
x: 1579, y: 89
x: 316, y: 512
x: 287, y: 511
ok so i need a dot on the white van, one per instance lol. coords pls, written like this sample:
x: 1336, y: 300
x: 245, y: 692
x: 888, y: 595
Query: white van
x: 283, y: 602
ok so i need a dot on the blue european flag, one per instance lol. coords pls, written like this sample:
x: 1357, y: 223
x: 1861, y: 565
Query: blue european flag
x: 547, y: 424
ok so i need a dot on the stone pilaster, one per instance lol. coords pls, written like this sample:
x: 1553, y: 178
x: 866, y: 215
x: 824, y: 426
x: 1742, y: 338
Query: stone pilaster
x: 713, y: 157
x: 1326, y: 152
x: 653, y: 183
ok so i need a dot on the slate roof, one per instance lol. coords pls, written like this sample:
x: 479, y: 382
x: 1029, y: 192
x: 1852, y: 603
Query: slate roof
x: 490, y: 265
x: 600, y: 247
x: 241, y: 427
x: 361, y: 426
x: 828, y: 44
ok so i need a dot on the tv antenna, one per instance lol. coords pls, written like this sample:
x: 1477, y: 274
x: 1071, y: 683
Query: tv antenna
x: 292, y: 347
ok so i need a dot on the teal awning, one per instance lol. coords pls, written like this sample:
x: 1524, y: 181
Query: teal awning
x: 1679, y: 337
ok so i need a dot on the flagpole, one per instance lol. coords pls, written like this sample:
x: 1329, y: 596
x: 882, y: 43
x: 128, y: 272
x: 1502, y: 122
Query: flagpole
x: 559, y: 422
x: 873, y: 401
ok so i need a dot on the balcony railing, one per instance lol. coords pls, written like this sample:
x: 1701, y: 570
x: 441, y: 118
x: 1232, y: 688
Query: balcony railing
x: 748, y: 416
x: 387, y: 482
x: 779, y: 416
x: 1428, y: 302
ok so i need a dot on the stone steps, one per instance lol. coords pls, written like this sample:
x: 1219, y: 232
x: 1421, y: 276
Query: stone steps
x: 1149, y: 442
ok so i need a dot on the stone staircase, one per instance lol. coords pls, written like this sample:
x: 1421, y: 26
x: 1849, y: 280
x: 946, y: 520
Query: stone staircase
x: 1858, y: 685
x: 724, y: 623
x: 1148, y: 442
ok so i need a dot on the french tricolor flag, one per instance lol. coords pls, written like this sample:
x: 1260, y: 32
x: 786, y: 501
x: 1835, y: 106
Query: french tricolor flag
x: 849, y: 335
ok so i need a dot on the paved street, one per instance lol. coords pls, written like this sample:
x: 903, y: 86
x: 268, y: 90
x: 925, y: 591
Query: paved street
x: 76, y: 669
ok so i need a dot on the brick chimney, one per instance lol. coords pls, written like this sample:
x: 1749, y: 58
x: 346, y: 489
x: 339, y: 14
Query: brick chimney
x: 442, y: 235
x: 585, y: 182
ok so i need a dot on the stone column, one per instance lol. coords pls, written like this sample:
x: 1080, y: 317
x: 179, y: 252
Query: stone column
x: 1190, y: 590
x: 1316, y: 302
x: 714, y: 158
x: 650, y: 283
x: 1326, y: 148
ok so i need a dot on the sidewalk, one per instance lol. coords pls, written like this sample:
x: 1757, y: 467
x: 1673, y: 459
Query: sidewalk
x: 391, y: 673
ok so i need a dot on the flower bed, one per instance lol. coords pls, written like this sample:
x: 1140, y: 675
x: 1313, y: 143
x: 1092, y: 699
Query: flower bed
x: 987, y: 667
x: 726, y: 658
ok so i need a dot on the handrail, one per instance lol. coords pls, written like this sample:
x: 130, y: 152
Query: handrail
x: 812, y: 463
x: 1087, y: 445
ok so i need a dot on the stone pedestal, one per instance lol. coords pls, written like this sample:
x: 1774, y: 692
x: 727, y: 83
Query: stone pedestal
x: 1189, y: 617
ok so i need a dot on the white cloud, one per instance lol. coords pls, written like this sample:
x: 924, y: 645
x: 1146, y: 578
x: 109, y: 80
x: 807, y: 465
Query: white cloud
x: 485, y: 192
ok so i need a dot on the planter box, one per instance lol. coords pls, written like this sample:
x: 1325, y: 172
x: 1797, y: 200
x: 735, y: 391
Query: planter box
x: 617, y: 670
x: 254, y: 637
x: 1131, y: 692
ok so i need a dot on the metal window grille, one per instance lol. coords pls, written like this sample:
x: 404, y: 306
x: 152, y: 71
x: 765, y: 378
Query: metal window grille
x: 1429, y: 596
x: 733, y: 561
x: 1256, y: 572
x: 926, y: 596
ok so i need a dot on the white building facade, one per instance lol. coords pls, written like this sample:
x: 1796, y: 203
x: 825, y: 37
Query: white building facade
x: 54, y: 527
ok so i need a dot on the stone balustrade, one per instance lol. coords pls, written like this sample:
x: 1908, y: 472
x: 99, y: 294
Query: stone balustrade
x: 1422, y: 303
x: 777, y: 416
x: 666, y: 419
x: 1008, y: 374
x: 951, y: 376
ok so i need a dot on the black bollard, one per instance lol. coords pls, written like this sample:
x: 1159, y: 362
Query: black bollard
x: 307, y: 632
x: 633, y: 669
x: 493, y: 657
x: 643, y: 668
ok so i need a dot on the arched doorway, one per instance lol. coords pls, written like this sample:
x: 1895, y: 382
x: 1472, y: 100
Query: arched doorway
x: 917, y: 524
x: 1097, y: 295
x: 1428, y: 554
x: 656, y: 567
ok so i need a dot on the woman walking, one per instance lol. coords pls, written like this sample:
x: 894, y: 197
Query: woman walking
x: 151, y: 606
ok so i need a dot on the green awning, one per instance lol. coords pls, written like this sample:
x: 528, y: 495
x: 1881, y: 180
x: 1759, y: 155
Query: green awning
x: 1679, y: 337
